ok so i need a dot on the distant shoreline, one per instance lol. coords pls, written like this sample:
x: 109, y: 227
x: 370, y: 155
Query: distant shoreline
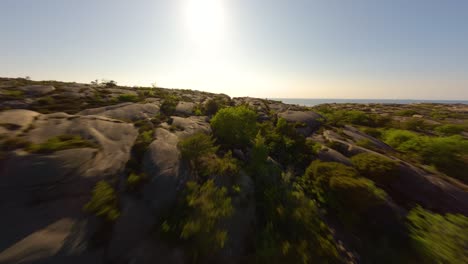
x: 313, y: 102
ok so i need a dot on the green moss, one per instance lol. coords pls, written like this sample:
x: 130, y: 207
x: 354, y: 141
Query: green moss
x: 103, y: 202
x: 61, y: 142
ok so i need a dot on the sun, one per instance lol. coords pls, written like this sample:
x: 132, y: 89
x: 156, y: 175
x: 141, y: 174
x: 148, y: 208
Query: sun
x: 206, y: 21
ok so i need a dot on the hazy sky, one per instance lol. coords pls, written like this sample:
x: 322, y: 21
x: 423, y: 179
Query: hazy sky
x: 396, y: 49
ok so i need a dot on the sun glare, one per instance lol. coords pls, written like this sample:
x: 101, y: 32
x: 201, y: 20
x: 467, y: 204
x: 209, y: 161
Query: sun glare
x: 205, y: 21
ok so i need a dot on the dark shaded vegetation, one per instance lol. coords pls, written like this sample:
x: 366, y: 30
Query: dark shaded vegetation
x: 194, y: 222
x: 103, y: 202
x: 169, y: 105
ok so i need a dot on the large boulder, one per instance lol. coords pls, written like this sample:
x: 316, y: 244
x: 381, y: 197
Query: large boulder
x: 14, y: 121
x: 163, y: 166
x: 190, y: 125
x: 52, y: 188
x: 308, y: 121
x: 184, y: 108
x: 125, y: 111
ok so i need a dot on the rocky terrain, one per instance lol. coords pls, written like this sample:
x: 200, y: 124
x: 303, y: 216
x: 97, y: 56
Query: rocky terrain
x: 99, y: 173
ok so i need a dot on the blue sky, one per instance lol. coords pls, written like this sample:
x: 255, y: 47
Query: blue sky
x: 391, y: 49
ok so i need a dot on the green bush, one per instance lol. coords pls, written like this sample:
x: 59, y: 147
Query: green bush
x: 169, y: 105
x: 439, y: 238
x: 376, y: 167
x: 211, y: 165
x: 415, y: 124
x: 316, y: 179
x: 352, y: 197
x: 128, y: 98
x: 295, y: 233
x: 60, y: 143
x: 406, y: 112
x: 194, y: 147
x: 286, y: 145
x: 396, y: 138
x: 103, y: 202
x: 450, y: 129
x: 235, y: 126
x: 445, y: 153
x: 196, y: 221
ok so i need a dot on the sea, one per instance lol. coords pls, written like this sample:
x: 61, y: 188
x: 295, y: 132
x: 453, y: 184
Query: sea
x: 312, y: 101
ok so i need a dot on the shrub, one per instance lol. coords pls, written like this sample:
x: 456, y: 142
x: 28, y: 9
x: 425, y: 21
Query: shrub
x: 196, y: 220
x: 212, y: 165
x: 439, y: 238
x: 194, y: 147
x: 286, y: 145
x: 169, y: 105
x: 60, y: 143
x: 128, y: 98
x: 445, y: 153
x: 415, y: 124
x: 406, y: 112
x: 103, y: 202
x: 396, y: 138
x: 375, y: 167
x: 450, y: 129
x: 109, y: 84
x: 295, y: 233
x: 316, y: 178
x: 352, y: 197
x: 235, y: 126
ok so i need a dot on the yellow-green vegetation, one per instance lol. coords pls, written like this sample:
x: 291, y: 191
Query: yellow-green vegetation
x: 235, y: 126
x: 103, y: 202
x: 196, y: 221
x: 445, y: 153
x: 346, y: 117
x: 61, y: 142
x: 14, y: 93
x: 451, y: 129
x: 135, y: 180
x: 376, y: 167
x: 439, y: 238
